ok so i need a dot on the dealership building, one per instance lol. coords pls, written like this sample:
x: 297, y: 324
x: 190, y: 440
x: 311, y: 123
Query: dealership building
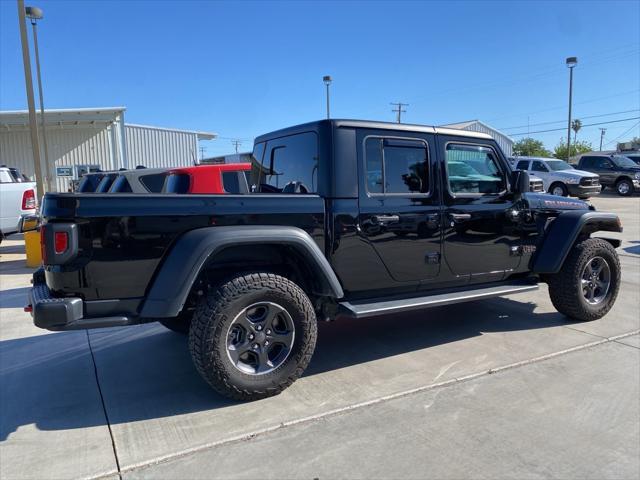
x: 505, y: 142
x: 88, y: 139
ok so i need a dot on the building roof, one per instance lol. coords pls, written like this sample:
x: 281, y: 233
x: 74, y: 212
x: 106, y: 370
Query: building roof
x: 470, y: 123
x: 19, y: 119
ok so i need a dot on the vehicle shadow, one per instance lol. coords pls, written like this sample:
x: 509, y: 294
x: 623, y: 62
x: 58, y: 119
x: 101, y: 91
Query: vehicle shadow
x: 146, y: 371
x: 14, y: 298
x: 634, y: 249
x: 15, y: 267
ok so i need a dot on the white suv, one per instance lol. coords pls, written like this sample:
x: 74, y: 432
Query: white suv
x: 560, y: 178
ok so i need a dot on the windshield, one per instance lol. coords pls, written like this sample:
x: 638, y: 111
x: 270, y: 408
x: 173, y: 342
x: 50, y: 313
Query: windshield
x: 623, y: 162
x: 557, y: 165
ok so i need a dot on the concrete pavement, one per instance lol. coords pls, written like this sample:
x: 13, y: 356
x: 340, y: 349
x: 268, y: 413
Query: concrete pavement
x: 86, y: 405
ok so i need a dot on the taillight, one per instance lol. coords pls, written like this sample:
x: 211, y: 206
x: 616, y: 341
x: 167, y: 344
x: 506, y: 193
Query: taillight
x: 60, y: 242
x: 28, y: 200
x: 43, y: 248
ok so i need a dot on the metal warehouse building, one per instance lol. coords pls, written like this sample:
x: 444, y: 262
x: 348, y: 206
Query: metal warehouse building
x: 506, y: 144
x: 87, y: 139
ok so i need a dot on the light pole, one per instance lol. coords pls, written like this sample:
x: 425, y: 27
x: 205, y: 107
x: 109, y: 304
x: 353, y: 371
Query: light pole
x: 34, y: 14
x: 33, y: 126
x: 327, y: 81
x: 571, y: 62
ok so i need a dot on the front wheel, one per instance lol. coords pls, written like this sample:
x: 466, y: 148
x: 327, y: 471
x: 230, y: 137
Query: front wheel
x: 587, y: 285
x: 253, y: 336
x: 624, y: 187
x: 558, y: 189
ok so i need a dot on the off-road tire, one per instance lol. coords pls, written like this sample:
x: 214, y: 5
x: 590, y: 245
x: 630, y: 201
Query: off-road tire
x: 217, y: 310
x: 565, y: 287
x: 629, y: 190
x: 565, y: 191
x: 179, y: 324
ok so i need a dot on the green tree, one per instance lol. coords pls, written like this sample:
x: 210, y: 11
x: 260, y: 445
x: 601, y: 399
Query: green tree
x: 530, y: 147
x: 576, y: 149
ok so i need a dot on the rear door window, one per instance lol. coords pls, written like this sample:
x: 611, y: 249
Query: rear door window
x: 538, y: 166
x: 396, y: 166
x: 523, y: 165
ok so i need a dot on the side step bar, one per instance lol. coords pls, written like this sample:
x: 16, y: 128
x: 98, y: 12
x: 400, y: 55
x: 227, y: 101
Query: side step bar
x: 364, y: 309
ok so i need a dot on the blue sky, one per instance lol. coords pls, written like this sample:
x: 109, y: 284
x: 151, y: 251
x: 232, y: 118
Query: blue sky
x: 245, y: 68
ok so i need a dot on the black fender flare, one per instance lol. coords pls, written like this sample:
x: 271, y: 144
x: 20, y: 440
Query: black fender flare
x: 183, y: 263
x: 563, y: 232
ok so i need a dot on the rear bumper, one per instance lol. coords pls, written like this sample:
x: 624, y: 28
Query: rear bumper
x: 583, y: 190
x: 67, y: 313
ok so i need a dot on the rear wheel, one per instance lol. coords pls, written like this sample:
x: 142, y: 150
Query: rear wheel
x: 624, y: 187
x: 587, y: 285
x: 253, y: 336
x: 558, y: 189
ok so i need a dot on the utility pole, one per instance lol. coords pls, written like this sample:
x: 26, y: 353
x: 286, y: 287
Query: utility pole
x: 33, y: 125
x: 399, y: 110
x: 602, y: 132
x: 34, y: 14
x: 236, y: 144
x: 202, y: 149
x: 571, y: 63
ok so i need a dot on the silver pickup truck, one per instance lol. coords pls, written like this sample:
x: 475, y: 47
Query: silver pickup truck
x: 18, y: 201
x: 560, y: 178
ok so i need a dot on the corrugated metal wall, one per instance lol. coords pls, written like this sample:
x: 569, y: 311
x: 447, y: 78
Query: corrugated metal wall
x: 155, y: 147
x: 506, y: 144
x: 97, y: 145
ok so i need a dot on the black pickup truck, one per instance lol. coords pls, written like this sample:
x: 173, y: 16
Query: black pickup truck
x: 344, y: 219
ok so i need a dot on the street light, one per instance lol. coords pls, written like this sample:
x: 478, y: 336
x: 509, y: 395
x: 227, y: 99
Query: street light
x: 327, y: 81
x: 34, y: 14
x: 571, y: 62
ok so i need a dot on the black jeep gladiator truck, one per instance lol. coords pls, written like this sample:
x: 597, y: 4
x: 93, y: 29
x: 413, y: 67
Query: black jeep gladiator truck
x: 344, y: 219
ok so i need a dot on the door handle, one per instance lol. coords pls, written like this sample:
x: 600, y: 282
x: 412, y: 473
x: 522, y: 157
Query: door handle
x: 460, y: 217
x: 382, y: 219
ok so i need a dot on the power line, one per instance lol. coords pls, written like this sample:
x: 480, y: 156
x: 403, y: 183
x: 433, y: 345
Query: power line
x: 562, y: 129
x: 622, y: 135
x: 236, y: 143
x: 562, y: 121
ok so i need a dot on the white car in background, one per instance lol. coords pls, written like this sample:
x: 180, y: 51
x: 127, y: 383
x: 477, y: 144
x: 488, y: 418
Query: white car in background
x: 17, y: 202
x: 560, y: 178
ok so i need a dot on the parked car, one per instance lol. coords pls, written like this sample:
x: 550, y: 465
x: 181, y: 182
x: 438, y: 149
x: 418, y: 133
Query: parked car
x: 248, y: 276
x: 537, y: 185
x: 219, y: 178
x: 616, y: 171
x: 17, y: 202
x: 560, y: 178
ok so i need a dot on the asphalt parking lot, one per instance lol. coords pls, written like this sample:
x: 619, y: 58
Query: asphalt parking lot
x: 502, y: 388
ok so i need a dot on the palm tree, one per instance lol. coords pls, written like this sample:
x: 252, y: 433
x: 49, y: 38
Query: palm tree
x: 575, y: 126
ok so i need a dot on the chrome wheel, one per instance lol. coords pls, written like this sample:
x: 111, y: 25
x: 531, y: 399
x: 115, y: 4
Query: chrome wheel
x: 558, y: 190
x: 260, y: 338
x: 624, y: 188
x: 596, y: 280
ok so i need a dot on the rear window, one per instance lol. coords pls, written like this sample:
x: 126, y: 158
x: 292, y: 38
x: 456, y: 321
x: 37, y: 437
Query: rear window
x: 153, y: 182
x: 178, y: 183
x: 522, y: 165
x: 120, y: 185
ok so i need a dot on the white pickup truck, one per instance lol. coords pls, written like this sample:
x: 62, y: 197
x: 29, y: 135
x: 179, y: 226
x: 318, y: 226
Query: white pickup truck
x: 17, y: 202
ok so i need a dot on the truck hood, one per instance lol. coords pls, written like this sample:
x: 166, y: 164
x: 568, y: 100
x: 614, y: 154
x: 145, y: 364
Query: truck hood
x: 544, y: 201
x: 574, y: 174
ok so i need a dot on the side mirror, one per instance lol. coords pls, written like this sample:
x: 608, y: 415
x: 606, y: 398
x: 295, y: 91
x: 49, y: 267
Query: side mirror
x: 520, y: 182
